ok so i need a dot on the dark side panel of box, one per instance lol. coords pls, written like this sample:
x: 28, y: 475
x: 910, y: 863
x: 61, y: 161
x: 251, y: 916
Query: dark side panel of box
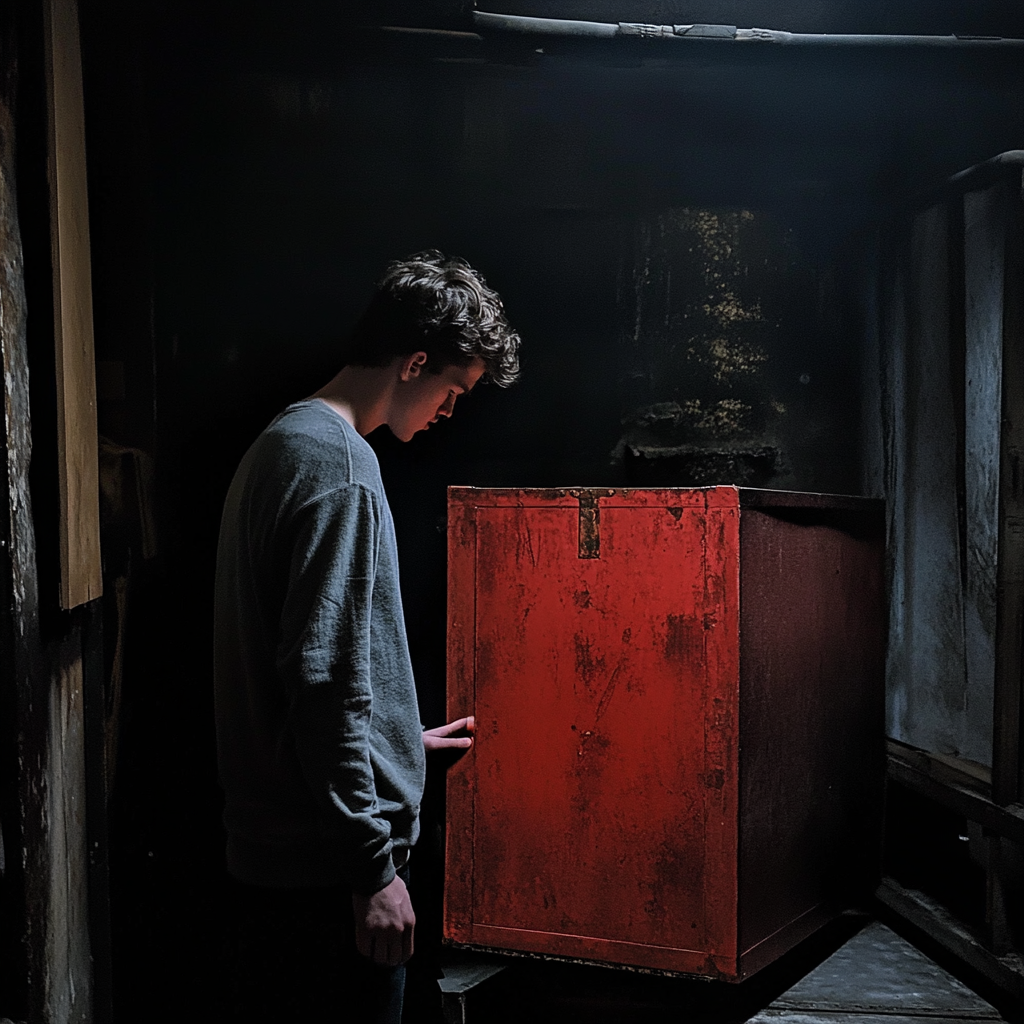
x: 812, y: 659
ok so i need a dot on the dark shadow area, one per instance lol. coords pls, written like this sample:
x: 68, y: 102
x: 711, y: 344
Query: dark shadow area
x: 550, y: 991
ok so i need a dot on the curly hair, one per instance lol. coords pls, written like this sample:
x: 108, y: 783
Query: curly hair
x: 439, y: 305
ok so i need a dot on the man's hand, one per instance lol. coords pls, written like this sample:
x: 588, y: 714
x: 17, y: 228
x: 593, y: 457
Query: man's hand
x: 384, y: 924
x: 441, y: 738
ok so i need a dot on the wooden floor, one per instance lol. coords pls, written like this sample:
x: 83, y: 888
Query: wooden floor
x: 877, y: 977
x: 856, y: 971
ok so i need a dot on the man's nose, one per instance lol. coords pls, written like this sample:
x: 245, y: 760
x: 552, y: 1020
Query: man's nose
x: 447, y: 406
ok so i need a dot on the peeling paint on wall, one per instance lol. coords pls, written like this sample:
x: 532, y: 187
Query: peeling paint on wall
x: 716, y: 316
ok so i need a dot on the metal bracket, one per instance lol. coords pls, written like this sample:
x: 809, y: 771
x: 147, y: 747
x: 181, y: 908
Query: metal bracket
x: 590, y: 524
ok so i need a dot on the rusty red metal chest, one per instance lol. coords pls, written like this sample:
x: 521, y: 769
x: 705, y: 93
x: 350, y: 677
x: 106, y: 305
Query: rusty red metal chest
x: 679, y: 721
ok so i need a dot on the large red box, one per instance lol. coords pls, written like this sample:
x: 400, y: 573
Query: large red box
x: 679, y: 753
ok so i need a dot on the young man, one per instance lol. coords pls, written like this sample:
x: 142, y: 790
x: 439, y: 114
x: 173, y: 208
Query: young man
x: 320, y: 748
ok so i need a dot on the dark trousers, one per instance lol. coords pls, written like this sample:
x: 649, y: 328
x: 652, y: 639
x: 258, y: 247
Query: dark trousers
x: 296, y: 961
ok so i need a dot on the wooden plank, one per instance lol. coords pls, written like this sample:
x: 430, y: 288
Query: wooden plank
x: 68, y: 979
x: 927, y: 683
x: 894, y: 355
x: 78, y: 456
x: 1006, y: 760
x: 45, y: 926
x: 997, y: 894
x: 878, y: 971
x: 770, y: 1016
x: 21, y: 962
x: 94, y: 717
x: 958, y: 769
x: 961, y: 795
x: 958, y: 345
x: 983, y: 259
x: 1007, y: 972
x: 979, y: 772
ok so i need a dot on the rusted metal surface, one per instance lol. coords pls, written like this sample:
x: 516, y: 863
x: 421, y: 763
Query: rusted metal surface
x: 590, y: 524
x: 812, y: 661
x: 461, y: 778
x: 599, y: 814
x: 596, y: 804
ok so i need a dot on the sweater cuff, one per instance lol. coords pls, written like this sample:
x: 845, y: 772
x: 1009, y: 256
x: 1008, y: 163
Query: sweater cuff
x: 377, y: 875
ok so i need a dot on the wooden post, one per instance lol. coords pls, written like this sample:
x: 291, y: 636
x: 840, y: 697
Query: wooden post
x: 1006, y: 766
x: 78, y: 457
x: 999, y: 937
x: 984, y: 252
x: 45, y: 959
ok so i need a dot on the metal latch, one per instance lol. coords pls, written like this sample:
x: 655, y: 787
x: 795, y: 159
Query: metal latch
x: 589, y: 524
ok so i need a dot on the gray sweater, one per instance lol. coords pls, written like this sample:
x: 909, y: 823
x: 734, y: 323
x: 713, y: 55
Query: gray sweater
x: 319, y: 744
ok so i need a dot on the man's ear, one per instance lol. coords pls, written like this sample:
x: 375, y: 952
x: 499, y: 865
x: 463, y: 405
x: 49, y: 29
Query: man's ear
x: 411, y: 365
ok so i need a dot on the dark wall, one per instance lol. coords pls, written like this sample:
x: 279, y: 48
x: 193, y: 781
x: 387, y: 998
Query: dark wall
x: 248, y: 185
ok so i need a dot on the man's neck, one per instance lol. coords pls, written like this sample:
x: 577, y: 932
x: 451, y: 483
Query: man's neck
x: 360, y: 395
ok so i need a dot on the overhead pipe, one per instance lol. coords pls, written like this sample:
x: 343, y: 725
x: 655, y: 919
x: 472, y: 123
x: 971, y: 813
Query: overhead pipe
x: 987, y: 172
x: 514, y: 24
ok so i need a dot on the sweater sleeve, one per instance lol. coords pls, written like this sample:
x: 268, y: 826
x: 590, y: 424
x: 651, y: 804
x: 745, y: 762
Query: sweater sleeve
x: 323, y: 657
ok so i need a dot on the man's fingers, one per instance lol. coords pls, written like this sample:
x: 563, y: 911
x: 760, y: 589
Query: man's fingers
x: 385, y: 923
x: 468, y: 723
x: 389, y: 948
x: 386, y: 949
x: 447, y: 730
x: 432, y: 742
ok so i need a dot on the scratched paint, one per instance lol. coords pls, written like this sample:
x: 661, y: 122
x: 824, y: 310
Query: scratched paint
x: 595, y: 825
x: 684, y: 638
x: 598, y: 816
